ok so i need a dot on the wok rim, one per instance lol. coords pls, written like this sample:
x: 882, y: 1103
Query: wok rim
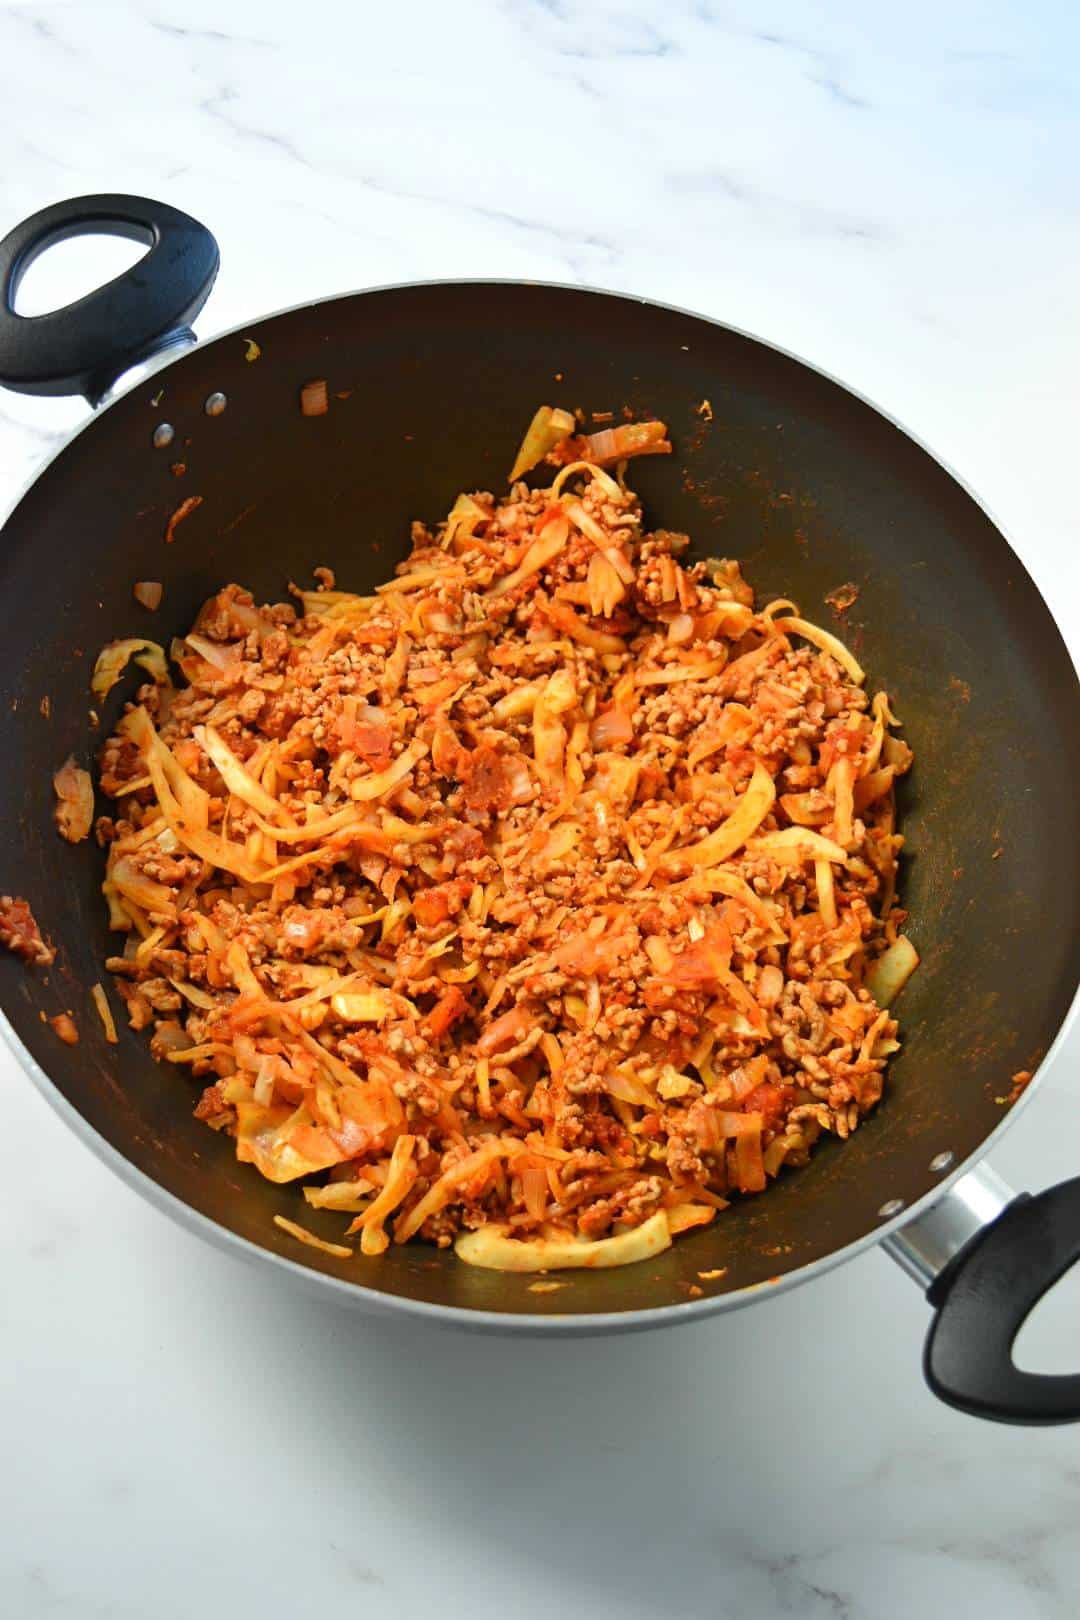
x: 525, y: 1324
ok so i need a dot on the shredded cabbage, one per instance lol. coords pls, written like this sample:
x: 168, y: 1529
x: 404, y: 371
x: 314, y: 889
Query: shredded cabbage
x: 114, y: 659
x: 747, y: 816
x: 548, y: 428
x: 491, y: 1247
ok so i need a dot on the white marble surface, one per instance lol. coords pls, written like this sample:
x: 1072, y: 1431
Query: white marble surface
x: 892, y: 194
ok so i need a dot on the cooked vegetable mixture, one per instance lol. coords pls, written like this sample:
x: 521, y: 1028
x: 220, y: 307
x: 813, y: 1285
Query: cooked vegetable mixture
x: 540, y: 903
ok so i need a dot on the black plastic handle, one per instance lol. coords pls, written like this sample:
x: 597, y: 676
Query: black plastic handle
x: 983, y: 1297
x: 84, y: 347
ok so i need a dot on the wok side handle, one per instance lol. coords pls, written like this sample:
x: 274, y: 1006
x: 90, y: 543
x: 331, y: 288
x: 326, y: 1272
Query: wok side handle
x: 986, y: 1256
x: 84, y: 347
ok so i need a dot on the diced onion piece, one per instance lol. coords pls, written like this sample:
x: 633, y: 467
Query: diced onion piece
x: 825, y: 641
x: 114, y: 659
x: 629, y: 1089
x: 548, y: 428
x: 223, y: 658
x: 340, y: 1251
x: 74, y: 812
x: 314, y: 399
x: 743, y: 821
x: 804, y: 809
x: 892, y: 971
x: 148, y: 593
x: 770, y: 985
x: 612, y: 727
x: 521, y: 700
x: 489, y: 1246
x: 558, y: 844
x: 672, y: 1084
x: 101, y: 1002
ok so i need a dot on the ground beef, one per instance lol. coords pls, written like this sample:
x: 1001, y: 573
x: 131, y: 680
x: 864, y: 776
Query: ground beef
x: 20, y: 934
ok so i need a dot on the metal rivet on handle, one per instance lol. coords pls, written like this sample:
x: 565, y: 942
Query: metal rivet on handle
x: 164, y: 434
x: 891, y: 1208
x: 215, y: 404
x: 943, y: 1161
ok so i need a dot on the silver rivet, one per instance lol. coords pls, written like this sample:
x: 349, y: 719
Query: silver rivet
x: 164, y: 434
x: 891, y: 1208
x: 215, y: 405
x: 942, y: 1161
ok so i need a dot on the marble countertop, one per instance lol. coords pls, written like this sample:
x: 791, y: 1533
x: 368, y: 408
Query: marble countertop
x: 897, y: 200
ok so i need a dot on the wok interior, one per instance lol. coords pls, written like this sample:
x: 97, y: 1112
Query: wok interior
x: 430, y: 390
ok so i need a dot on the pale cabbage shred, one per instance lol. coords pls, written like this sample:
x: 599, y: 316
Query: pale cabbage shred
x: 268, y: 1141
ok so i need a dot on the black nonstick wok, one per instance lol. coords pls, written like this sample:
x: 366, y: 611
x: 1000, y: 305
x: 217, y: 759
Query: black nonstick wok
x: 430, y: 388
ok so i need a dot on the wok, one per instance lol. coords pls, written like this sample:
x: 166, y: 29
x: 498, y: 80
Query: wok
x: 811, y: 487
